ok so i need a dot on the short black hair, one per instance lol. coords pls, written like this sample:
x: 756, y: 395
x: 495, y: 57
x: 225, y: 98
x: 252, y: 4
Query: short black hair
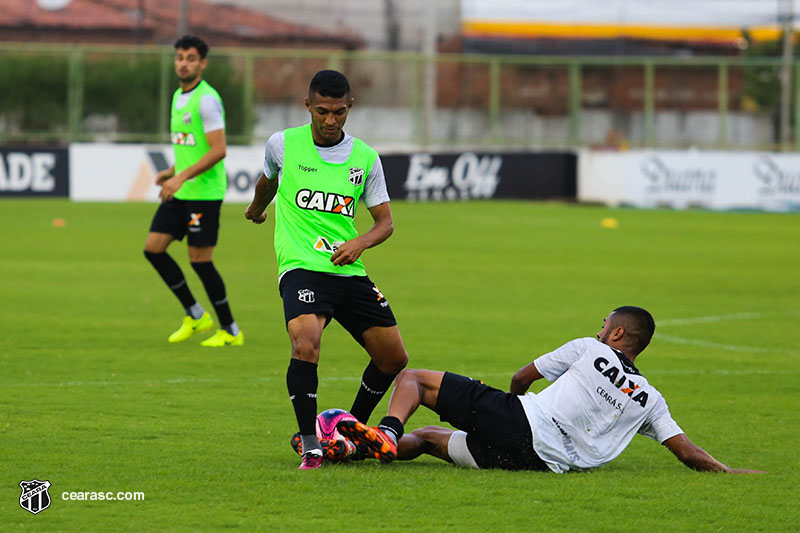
x: 192, y: 41
x: 638, y: 324
x: 330, y: 83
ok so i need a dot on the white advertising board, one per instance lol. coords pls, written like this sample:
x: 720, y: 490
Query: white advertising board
x: 711, y: 180
x: 117, y: 172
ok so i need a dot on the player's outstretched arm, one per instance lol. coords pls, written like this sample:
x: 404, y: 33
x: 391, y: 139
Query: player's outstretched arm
x: 265, y: 192
x: 383, y: 227
x: 697, y: 458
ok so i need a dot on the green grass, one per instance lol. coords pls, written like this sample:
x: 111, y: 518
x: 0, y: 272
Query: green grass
x: 92, y: 398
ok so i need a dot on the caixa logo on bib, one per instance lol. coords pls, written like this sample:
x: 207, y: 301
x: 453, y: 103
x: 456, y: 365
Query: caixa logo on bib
x: 325, y: 202
x: 183, y: 139
x: 34, y: 497
x: 470, y: 176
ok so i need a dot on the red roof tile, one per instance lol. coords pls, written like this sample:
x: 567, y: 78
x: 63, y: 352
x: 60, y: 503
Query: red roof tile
x: 223, y: 21
x: 78, y: 14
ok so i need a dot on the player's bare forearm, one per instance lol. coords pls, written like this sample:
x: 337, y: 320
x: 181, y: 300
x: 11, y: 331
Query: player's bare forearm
x: 697, y: 458
x: 382, y: 229
x: 264, y: 193
x: 215, y: 154
x: 165, y: 174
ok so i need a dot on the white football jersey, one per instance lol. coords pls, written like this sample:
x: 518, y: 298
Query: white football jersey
x: 595, y: 406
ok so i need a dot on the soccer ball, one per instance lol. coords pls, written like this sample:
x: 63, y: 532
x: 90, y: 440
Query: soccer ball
x: 327, y: 420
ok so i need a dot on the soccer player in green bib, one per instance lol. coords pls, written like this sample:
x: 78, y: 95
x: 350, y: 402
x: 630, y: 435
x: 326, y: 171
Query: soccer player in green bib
x: 191, y: 196
x: 317, y: 175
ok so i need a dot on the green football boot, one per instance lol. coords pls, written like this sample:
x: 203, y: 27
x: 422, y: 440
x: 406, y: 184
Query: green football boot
x: 191, y: 326
x: 223, y: 338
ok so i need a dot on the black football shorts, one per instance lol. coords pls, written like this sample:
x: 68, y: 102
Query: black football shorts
x: 498, y: 432
x: 197, y: 219
x: 354, y: 301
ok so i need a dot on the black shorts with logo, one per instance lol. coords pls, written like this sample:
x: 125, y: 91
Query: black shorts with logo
x: 354, y: 301
x: 498, y: 432
x: 199, y: 219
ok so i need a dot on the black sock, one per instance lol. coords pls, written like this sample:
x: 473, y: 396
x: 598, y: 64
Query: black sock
x: 215, y: 288
x: 391, y: 425
x: 374, y: 385
x: 301, y: 380
x: 172, y: 275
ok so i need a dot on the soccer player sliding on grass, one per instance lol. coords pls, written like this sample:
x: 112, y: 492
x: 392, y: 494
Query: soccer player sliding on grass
x: 597, y: 402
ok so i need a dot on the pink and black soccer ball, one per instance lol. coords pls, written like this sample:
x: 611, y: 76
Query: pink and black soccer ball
x: 327, y: 420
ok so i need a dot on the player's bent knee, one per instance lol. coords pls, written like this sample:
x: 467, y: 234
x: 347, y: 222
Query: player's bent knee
x: 409, y: 374
x: 399, y: 362
x: 391, y: 364
x: 305, y: 351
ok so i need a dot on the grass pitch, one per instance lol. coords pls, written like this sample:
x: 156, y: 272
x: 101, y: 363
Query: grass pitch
x: 94, y: 399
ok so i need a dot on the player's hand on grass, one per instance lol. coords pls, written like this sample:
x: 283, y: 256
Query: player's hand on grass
x: 348, y: 253
x: 258, y: 216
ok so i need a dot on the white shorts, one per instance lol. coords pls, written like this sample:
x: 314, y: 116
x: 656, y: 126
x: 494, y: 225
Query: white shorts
x: 458, y: 451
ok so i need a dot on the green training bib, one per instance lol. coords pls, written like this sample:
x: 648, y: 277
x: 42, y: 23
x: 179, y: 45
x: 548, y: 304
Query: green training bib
x: 316, y: 203
x: 189, y: 144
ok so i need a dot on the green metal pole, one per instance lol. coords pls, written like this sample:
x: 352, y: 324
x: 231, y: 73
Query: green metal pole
x: 574, y: 103
x: 75, y: 94
x: 416, y: 102
x: 163, y: 96
x: 649, y: 104
x: 722, y: 105
x: 494, y: 100
x: 247, y: 97
x: 796, y: 88
x: 335, y: 61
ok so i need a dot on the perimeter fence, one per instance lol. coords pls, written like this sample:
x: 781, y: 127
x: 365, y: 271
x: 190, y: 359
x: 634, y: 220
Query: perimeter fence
x: 89, y: 93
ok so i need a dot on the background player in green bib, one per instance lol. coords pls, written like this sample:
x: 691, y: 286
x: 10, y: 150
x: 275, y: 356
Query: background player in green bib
x: 191, y: 195
x: 318, y: 175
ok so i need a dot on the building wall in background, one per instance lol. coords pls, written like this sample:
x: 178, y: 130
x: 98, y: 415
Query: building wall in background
x: 383, y: 24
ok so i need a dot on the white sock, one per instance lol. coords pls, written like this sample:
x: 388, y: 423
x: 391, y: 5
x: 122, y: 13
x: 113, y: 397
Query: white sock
x: 195, y: 311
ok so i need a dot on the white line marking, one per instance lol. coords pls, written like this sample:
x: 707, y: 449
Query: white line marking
x: 661, y: 336
x: 476, y: 375
x: 729, y: 347
x: 704, y: 319
x: 721, y: 318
